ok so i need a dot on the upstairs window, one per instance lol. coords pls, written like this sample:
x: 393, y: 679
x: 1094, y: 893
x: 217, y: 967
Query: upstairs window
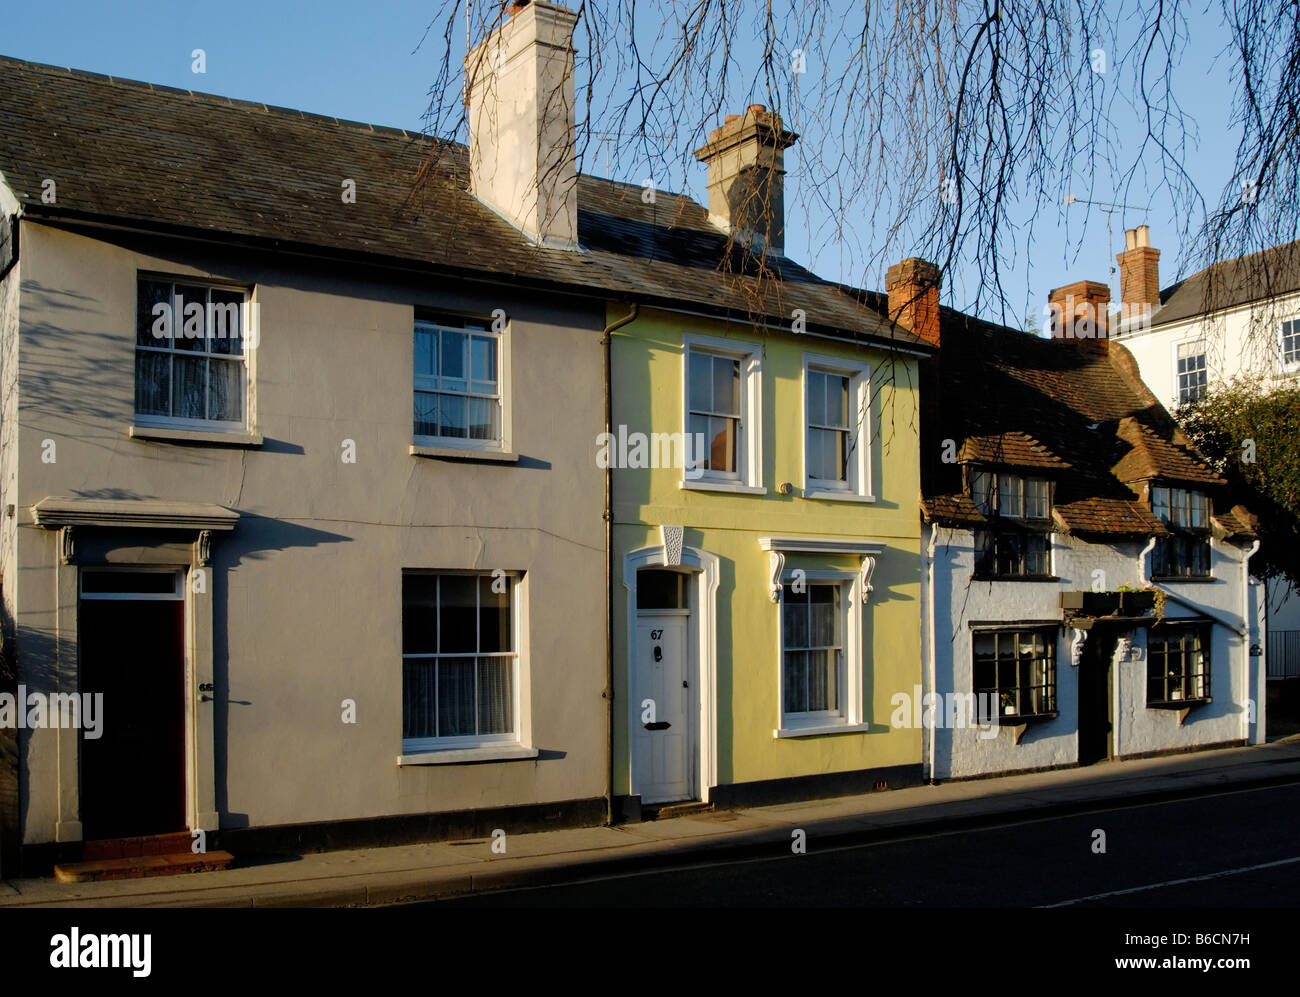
x: 722, y: 409
x: 1018, y: 541
x: 1291, y: 344
x: 457, y: 383
x: 837, y: 430
x: 1186, y: 513
x: 713, y: 390
x: 190, y: 360
x: 1191, y: 372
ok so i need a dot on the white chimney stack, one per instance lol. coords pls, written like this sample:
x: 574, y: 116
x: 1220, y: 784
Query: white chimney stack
x: 522, y: 148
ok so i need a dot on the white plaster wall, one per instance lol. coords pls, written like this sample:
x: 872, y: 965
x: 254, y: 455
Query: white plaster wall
x: 958, y: 601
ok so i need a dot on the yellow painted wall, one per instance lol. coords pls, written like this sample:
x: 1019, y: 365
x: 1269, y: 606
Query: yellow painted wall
x: 647, y: 392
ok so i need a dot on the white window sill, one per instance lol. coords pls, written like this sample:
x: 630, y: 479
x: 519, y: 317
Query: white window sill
x: 458, y: 453
x: 831, y: 494
x: 455, y: 756
x: 735, y: 487
x: 819, y: 729
x: 231, y: 438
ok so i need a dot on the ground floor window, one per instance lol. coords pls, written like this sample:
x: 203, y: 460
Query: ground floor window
x: 1178, y: 663
x: 1016, y: 670
x: 459, y: 660
x: 812, y: 652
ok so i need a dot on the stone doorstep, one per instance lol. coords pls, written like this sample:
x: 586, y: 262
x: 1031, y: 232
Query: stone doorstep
x: 174, y: 843
x: 102, y: 870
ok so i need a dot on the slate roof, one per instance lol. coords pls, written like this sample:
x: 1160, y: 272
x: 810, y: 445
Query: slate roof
x: 1075, y: 412
x: 1255, y: 277
x: 192, y: 163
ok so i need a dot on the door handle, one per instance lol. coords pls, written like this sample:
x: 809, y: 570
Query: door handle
x: 658, y: 725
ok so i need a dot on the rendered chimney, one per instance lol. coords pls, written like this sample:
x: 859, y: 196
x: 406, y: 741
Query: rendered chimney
x: 913, y: 289
x: 746, y: 161
x: 1079, y: 310
x: 1139, y: 276
x: 522, y: 149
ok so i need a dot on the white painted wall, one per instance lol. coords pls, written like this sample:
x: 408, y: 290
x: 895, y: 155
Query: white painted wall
x: 957, y: 602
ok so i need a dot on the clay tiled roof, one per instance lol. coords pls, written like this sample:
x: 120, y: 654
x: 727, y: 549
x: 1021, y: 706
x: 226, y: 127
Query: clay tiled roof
x: 194, y: 164
x: 1075, y: 412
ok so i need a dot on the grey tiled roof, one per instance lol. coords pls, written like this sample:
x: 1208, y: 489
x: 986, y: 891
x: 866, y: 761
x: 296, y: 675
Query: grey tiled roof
x: 172, y: 160
x: 1250, y: 278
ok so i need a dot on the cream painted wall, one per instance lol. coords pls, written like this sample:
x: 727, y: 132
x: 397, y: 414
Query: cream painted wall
x: 307, y: 599
x: 647, y: 374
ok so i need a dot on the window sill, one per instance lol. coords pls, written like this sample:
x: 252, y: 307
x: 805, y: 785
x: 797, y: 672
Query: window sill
x: 1177, y: 579
x: 1016, y: 719
x: 734, y: 487
x: 1014, y: 578
x: 819, y: 730
x: 459, y: 756
x: 456, y: 453
x: 832, y: 495
x: 1179, y: 704
x: 230, y: 439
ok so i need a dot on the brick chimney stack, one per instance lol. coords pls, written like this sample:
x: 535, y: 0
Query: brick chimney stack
x: 913, y: 289
x: 746, y: 161
x: 1139, y: 276
x: 1079, y: 310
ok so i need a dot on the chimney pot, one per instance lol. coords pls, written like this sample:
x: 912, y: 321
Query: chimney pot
x: 756, y: 108
x: 1139, y: 276
x: 517, y: 6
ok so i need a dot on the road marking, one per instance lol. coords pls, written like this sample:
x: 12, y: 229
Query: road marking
x: 1175, y: 882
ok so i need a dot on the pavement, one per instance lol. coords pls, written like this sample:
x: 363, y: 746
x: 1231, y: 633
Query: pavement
x: 433, y: 871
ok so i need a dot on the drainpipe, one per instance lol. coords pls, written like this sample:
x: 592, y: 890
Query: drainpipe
x: 606, y: 341
x: 928, y: 738
x: 1261, y: 677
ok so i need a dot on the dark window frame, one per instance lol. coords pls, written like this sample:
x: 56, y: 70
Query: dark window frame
x: 1186, y: 553
x: 1179, y: 685
x: 1019, y: 692
x: 1015, y: 546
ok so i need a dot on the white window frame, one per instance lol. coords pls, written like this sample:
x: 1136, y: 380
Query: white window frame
x: 1294, y: 365
x: 428, y: 384
x: 748, y: 478
x: 849, y: 717
x: 859, y: 487
x: 415, y: 746
x: 247, y: 354
x: 1204, y: 353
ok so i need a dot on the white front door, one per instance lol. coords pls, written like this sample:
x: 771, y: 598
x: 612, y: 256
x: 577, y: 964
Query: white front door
x: 663, y: 726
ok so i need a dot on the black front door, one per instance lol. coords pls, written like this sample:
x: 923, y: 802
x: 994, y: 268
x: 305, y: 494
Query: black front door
x: 133, y: 774
x: 1095, y: 680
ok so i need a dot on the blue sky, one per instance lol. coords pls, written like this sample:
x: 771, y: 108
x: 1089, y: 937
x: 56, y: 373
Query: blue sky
x: 360, y: 61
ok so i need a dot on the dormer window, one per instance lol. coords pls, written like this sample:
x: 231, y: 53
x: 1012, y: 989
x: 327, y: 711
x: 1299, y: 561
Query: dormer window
x: 1185, y: 553
x: 1018, y: 540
